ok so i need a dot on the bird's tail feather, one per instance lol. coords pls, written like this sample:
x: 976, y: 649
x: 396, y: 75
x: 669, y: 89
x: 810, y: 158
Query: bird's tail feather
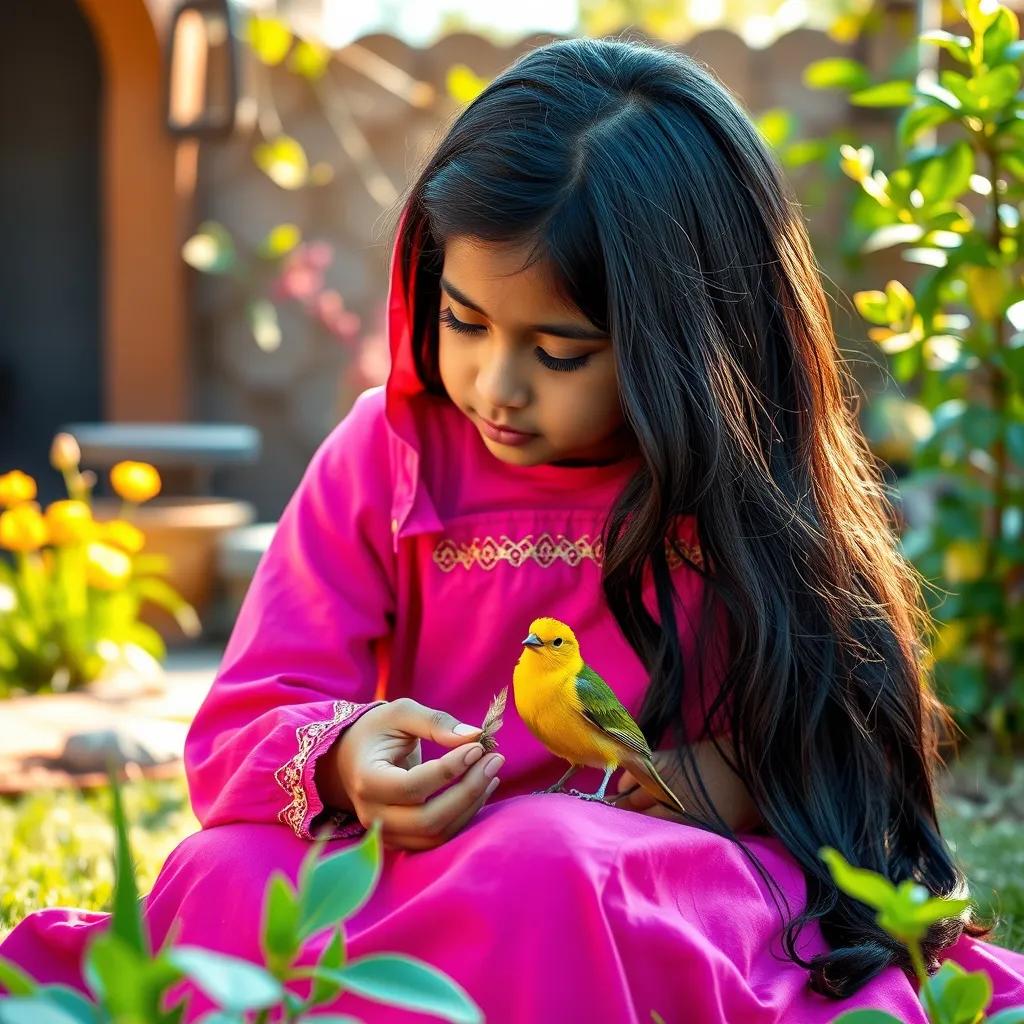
x: 645, y: 771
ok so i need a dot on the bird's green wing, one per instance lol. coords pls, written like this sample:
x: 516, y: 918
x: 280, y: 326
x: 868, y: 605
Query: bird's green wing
x: 599, y: 703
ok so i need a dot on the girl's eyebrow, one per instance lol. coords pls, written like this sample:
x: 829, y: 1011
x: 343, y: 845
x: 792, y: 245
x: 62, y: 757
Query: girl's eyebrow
x: 575, y: 331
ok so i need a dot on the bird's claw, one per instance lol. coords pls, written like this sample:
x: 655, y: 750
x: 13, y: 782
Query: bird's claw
x: 591, y: 796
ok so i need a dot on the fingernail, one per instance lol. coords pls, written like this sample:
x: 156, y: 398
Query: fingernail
x: 465, y: 730
x: 492, y: 766
x: 474, y: 754
x: 491, y: 787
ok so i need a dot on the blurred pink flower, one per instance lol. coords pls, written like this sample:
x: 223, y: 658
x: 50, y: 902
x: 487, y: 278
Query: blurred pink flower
x: 296, y: 282
x: 317, y: 255
x: 329, y: 307
x: 373, y: 361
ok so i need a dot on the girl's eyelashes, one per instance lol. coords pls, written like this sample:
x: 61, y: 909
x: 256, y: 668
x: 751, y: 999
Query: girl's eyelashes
x: 448, y: 318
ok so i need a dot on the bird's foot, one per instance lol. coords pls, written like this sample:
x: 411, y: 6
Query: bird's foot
x: 550, y: 789
x: 591, y: 796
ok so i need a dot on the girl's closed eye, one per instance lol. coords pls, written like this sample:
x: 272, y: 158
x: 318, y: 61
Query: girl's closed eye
x: 448, y: 318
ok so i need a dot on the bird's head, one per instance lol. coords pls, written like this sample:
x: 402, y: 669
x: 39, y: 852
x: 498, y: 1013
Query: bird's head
x: 551, y: 641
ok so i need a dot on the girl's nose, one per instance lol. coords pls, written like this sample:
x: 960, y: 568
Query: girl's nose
x: 501, y: 383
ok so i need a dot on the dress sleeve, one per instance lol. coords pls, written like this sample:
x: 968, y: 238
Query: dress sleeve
x: 301, y: 663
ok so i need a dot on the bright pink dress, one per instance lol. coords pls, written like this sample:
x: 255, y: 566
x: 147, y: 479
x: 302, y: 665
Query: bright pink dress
x: 409, y: 556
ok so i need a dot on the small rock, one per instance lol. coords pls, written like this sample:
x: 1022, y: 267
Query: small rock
x: 144, y: 743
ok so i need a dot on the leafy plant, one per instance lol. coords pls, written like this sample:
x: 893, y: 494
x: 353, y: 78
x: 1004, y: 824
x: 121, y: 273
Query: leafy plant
x: 129, y: 981
x: 951, y: 995
x: 72, y: 589
x: 956, y: 333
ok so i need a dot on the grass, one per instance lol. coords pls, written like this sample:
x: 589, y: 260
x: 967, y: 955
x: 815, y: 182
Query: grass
x: 61, y: 842
x: 60, y: 848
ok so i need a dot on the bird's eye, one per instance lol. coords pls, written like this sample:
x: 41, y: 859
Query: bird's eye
x: 557, y: 642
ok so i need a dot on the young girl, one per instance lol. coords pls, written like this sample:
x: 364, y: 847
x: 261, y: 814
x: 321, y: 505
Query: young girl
x: 615, y: 399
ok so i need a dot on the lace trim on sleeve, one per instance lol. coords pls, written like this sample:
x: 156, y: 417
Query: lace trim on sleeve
x: 295, y: 777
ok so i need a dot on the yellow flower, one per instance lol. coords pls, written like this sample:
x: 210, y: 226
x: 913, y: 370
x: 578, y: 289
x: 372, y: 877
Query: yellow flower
x: 124, y: 535
x: 69, y: 522
x: 16, y: 487
x: 22, y: 528
x: 106, y: 568
x: 65, y: 454
x: 135, y: 481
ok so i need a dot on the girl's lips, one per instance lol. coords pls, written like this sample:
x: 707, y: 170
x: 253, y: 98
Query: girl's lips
x: 504, y: 436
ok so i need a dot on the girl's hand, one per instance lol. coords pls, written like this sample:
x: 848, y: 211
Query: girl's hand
x: 379, y: 761
x: 642, y: 801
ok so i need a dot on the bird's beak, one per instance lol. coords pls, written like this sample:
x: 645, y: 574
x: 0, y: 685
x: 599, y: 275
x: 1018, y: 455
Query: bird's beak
x: 533, y: 641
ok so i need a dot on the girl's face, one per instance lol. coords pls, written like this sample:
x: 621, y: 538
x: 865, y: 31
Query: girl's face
x: 513, y: 353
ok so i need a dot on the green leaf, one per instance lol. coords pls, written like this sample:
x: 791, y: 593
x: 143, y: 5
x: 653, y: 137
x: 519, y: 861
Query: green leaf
x: 958, y: 46
x: 284, y: 161
x: 338, y: 885
x: 1003, y: 31
x: 211, y: 249
x: 280, y: 923
x: 866, y: 1017
x: 988, y: 288
x: 962, y: 995
x: 892, y: 234
x: 897, y: 93
x: 836, y: 73
x: 805, y: 151
x: 979, y: 15
x: 15, y: 980
x: 146, y: 637
x: 115, y: 972
x: 333, y: 956
x: 406, y: 981
x: 945, y: 175
x: 73, y: 1002
x: 995, y: 88
x: 270, y: 38
x: 236, y: 985
x: 940, y: 93
x: 37, y: 1009
x: 1015, y: 442
x: 162, y: 594
x: 329, y: 1018
x: 873, y: 306
x: 1011, y: 1015
x: 908, y: 915
x: 867, y: 886
x: 280, y: 241
x: 126, y: 916
x: 776, y: 125
x: 919, y: 118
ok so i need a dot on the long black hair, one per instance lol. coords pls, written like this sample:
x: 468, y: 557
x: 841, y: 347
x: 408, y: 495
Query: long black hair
x: 669, y: 224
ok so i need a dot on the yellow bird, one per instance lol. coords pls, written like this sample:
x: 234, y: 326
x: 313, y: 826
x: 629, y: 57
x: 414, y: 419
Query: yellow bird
x: 575, y: 714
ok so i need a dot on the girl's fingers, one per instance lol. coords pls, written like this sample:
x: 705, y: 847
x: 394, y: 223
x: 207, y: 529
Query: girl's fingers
x: 442, y: 815
x: 422, y: 842
x: 387, y: 783
x: 415, y: 719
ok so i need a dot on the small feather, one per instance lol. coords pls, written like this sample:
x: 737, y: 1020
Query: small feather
x: 492, y: 721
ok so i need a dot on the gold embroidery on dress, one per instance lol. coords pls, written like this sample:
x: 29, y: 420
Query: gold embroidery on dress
x: 544, y: 549
x: 289, y: 775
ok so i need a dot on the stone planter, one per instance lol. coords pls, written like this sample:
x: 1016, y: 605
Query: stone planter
x: 188, y: 530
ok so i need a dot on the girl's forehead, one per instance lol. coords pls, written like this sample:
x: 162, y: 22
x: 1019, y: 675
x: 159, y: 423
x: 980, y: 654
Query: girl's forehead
x: 491, y: 278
